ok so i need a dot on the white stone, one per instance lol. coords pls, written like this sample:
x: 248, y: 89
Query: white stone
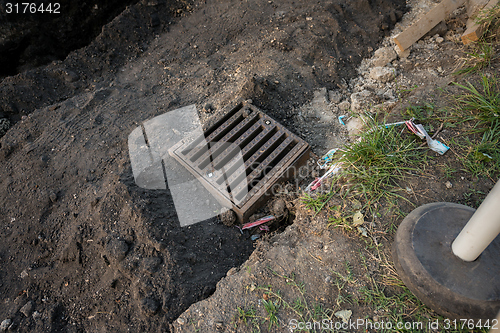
x: 383, y: 56
x: 335, y: 96
x: 382, y: 74
x: 5, y: 324
x: 439, y: 40
x: 344, y: 106
x: 354, y: 126
x: 402, y: 54
x: 361, y: 100
x: 320, y: 96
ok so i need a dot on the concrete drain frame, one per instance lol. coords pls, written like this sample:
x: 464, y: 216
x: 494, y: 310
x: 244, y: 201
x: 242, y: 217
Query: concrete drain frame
x: 241, y: 157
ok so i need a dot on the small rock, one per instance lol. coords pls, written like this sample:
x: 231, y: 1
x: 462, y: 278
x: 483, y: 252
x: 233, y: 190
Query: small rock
x: 228, y: 217
x: 27, y: 309
x: 402, y: 54
x: 24, y: 274
x: 5, y: 324
x: 328, y: 279
x: 382, y: 74
x: 151, y: 264
x: 344, y: 106
x: 149, y: 306
x: 44, y: 158
x: 53, y: 197
x: 358, y: 219
x: 440, y: 29
x: 219, y: 324
x: 232, y: 271
x: 208, y: 108
x: 4, y: 126
x: 354, y: 126
x: 181, y: 321
x: 36, y: 315
x: 334, y: 96
x: 117, y: 249
x: 320, y: 96
x: 361, y: 100
x: 345, y: 315
x: 70, y: 76
x: 383, y: 56
x: 449, y: 184
x: 279, y: 207
x: 439, y: 40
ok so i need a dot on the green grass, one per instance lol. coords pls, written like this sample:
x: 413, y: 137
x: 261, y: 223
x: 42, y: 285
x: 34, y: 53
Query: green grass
x: 402, y: 307
x: 481, y: 105
x: 274, y: 303
x: 479, y: 58
x: 316, y: 203
x: 382, y: 157
x: 372, y: 169
x: 483, y: 52
x: 490, y: 18
x: 480, y: 108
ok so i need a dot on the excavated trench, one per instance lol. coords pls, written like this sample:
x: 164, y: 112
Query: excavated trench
x: 32, y: 39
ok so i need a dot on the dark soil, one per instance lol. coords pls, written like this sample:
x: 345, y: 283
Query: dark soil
x: 79, y: 239
x: 34, y: 39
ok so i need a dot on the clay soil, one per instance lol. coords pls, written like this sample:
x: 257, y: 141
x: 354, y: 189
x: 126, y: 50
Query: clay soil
x: 90, y: 251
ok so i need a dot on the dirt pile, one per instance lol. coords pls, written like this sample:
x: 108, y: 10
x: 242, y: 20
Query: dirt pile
x: 83, y: 248
x: 36, y: 35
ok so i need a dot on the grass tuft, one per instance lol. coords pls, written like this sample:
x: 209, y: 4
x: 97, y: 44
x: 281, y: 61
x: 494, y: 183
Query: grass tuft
x: 481, y: 107
x: 379, y: 160
x: 478, y: 59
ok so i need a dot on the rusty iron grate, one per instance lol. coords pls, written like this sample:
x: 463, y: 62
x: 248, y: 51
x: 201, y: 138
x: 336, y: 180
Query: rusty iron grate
x: 241, y: 157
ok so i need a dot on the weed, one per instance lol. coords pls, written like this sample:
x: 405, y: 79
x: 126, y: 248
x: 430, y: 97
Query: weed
x: 482, y: 107
x: 490, y: 18
x: 248, y: 316
x: 271, y: 309
x: 193, y: 323
x: 420, y: 112
x: 315, y: 203
x: 374, y: 164
x: 448, y: 171
x: 245, y: 315
x: 273, y: 302
x: 402, y: 92
x: 478, y: 59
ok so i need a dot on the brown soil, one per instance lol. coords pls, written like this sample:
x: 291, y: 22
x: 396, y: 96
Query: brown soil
x: 89, y: 249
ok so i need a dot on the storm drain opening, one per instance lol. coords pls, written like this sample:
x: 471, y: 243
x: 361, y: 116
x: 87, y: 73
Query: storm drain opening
x: 241, y: 157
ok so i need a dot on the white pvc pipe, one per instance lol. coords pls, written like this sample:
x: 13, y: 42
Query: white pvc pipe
x: 482, y: 228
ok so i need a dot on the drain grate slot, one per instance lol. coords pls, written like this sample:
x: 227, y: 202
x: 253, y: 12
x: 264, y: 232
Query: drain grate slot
x: 242, y: 156
x: 221, y: 145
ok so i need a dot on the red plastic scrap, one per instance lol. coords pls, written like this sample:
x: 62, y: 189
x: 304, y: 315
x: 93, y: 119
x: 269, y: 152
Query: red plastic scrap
x: 258, y: 222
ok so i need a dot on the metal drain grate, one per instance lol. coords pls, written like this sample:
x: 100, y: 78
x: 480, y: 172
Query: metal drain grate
x: 241, y: 157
